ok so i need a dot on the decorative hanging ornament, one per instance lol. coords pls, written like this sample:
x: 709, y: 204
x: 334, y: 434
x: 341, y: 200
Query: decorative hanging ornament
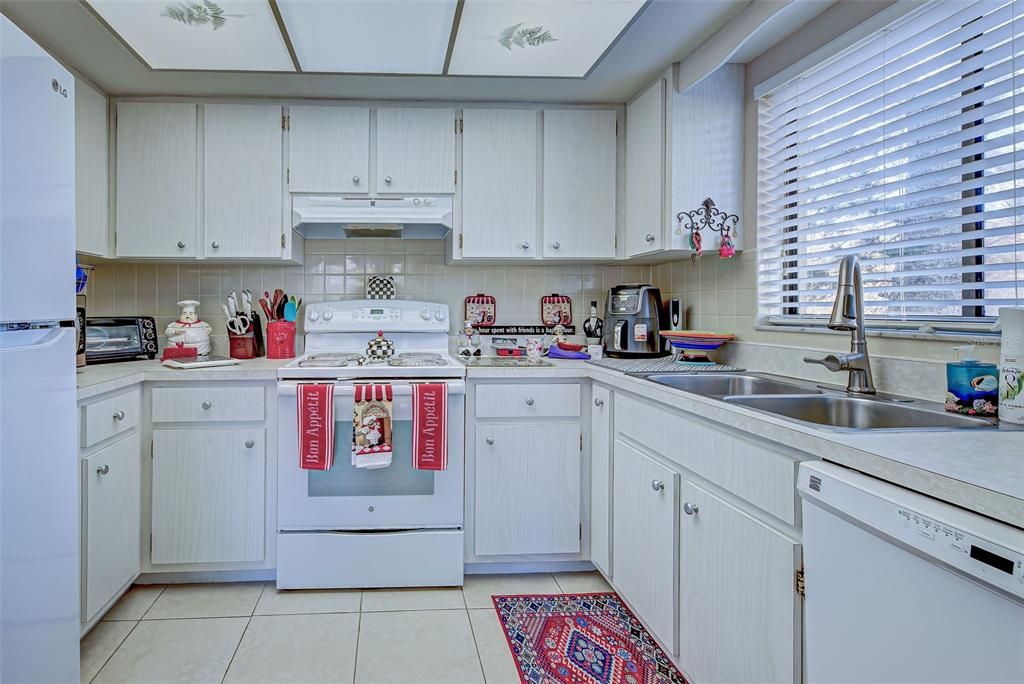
x: 709, y: 217
x: 727, y: 250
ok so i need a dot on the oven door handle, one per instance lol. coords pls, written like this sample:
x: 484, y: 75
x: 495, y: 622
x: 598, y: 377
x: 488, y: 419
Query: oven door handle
x: 348, y: 389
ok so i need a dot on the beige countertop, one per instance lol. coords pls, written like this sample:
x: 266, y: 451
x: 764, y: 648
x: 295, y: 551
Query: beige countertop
x: 980, y: 470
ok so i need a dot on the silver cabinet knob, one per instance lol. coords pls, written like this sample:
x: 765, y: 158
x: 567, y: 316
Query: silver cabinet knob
x: 524, y: 245
x: 103, y: 469
x: 556, y: 245
x: 207, y: 405
x: 355, y: 180
x: 657, y: 485
x: 215, y: 244
x: 490, y: 440
x: 598, y: 403
x: 249, y: 444
x: 690, y: 509
x: 118, y: 415
x: 387, y: 179
x: 649, y: 237
x: 181, y: 244
x: 529, y: 401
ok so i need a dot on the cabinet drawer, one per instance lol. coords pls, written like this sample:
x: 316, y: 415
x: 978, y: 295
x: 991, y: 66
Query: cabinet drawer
x: 202, y: 404
x: 111, y: 416
x: 534, y: 401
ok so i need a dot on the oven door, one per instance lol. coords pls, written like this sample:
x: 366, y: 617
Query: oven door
x: 349, y: 498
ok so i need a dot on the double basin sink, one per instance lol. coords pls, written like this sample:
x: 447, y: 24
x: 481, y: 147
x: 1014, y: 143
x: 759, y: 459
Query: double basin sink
x: 816, y: 405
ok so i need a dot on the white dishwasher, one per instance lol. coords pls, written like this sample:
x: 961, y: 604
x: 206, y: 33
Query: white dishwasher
x: 901, y: 587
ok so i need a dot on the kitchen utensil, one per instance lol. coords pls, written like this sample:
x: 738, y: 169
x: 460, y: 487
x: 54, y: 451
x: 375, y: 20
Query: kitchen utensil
x: 233, y: 304
x: 290, y: 311
x: 257, y: 332
x: 266, y: 309
x: 247, y: 303
x: 238, y: 325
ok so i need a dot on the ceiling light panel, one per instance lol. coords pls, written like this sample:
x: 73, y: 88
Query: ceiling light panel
x: 562, y: 38
x: 369, y: 36
x: 214, y: 35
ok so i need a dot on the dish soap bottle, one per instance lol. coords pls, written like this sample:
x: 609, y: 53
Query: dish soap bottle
x: 972, y: 387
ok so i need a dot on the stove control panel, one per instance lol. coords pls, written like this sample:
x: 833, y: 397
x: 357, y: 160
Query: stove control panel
x: 360, y: 315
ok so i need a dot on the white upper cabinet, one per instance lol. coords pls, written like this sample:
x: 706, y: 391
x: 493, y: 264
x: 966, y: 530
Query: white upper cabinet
x: 92, y: 234
x: 415, y: 151
x: 579, y: 183
x: 157, y: 192
x: 243, y: 175
x: 645, y: 171
x: 499, y: 183
x: 329, y: 149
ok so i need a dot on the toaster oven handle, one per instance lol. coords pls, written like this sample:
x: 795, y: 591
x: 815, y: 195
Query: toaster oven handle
x: 619, y: 336
x: 348, y: 388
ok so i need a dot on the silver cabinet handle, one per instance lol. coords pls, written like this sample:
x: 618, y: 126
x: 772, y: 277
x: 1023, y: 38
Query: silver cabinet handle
x: 657, y: 485
x: 524, y: 245
x: 489, y: 440
x: 529, y: 401
x: 207, y: 405
x: 598, y: 403
x: 215, y: 244
x: 181, y: 244
x: 118, y: 415
x: 649, y: 237
x: 355, y: 180
x: 556, y: 245
x: 387, y: 179
x: 690, y: 509
x: 103, y: 469
x: 250, y: 444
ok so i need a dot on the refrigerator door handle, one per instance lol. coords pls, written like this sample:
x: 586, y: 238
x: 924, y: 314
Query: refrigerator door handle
x: 48, y: 340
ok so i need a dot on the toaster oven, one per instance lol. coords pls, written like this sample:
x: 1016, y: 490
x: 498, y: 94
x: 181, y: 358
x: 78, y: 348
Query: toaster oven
x: 119, y: 338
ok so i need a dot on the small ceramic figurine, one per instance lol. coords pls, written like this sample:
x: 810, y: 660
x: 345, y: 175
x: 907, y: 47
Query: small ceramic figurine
x: 593, y: 327
x: 189, y: 330
x: 558, y: 333
x: 468, y: 343
x: 380, y: 348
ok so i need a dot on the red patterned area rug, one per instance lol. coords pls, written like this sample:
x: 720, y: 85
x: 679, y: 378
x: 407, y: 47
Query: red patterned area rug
x: 581, y: 639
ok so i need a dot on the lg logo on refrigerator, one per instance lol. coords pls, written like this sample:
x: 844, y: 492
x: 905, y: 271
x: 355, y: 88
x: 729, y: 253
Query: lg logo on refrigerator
x: 58, y: 88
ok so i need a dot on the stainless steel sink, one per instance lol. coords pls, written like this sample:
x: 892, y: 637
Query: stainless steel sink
x: 856, y: 413
x: 723, y: 385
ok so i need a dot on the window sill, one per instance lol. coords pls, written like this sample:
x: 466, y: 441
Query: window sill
x: 979, y: 338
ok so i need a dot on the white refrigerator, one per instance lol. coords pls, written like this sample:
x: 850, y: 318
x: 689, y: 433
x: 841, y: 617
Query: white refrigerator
x: 39, y: 566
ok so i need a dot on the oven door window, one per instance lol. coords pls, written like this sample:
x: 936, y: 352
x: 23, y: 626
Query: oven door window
x: 112, y: 338
x: 398, y: 479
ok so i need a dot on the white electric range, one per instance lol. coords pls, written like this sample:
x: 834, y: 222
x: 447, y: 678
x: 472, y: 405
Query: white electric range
x: 352, y: 527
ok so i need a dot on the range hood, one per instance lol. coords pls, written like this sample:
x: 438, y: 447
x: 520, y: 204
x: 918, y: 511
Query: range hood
x: 332, y: 216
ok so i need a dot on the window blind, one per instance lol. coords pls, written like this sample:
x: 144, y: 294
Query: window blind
x: 907, y: 150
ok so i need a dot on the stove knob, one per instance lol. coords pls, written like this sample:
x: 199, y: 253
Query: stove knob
x: 328, y: 315
x: 425, y: 314
x: 314, y: 314
x: 440, y: 314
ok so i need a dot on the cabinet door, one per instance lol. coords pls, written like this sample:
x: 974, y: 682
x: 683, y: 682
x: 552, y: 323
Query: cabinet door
x: 208, y: 495
x: 527, y: 489
x: 499, y: 183
x: 644, y: 530
x: 157, y: 183
x: 329, y: 149
x: 91, y: 187
x: 579, y: 183
x: 645, y: 170
x: 601, y: 479
x: 415, y: 150
x: 739, y: 615
x: 243, y: 181
x: 111, y: 520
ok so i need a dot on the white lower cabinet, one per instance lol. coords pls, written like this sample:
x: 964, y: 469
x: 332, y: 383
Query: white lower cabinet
x: 739, y: 616
x: 601, y: 479
x: 645, y: 534
x: 527, y: 489
x: 209, y: 499
x: 111, y: 519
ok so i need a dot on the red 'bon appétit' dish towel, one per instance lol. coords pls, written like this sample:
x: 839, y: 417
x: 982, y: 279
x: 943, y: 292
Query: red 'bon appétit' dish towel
x: 430, y: 426
x: 316, y: 425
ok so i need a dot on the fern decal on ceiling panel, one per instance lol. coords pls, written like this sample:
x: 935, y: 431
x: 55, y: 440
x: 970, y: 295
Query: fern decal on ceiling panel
x: 522, y: 37
x: 197, y: 14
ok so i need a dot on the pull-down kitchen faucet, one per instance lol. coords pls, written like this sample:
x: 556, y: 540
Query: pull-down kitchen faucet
x: 848, y: 314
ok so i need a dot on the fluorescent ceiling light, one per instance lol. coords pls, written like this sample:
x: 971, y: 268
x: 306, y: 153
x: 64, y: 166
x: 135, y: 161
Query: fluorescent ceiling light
x: 370, y: 36
x: 561, y: 38
x: 214, y: 35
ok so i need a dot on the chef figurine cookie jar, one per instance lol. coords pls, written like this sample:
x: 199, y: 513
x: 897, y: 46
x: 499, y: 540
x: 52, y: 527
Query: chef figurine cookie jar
x: 189, y: 330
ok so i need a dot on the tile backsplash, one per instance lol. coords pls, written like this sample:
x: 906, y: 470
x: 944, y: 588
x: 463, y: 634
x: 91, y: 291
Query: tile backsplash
x: 338, y: 269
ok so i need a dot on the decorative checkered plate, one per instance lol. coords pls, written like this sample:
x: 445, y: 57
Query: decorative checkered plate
x: 381, y: 287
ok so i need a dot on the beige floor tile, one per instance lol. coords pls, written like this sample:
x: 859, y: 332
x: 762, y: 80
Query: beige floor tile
x: 175, y: 651
x: 439, y: 598
x: 495, y: 655
x: 581, y: 582
x: 478, y: 589
x: 134, y: 604
x: 305, y: 601
x: 297, y: 648
x: 206, y: 600
x: 99, y: 644
x: 417, y: 647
